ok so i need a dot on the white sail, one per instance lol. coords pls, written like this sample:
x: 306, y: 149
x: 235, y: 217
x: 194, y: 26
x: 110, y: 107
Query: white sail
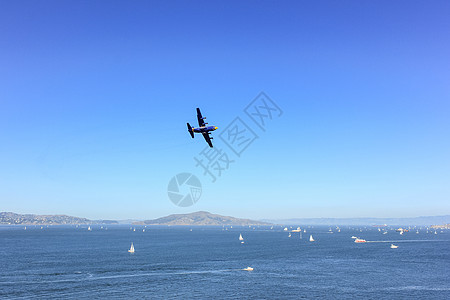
x: 240, y: 237
x: 131, y: 248
x: 311, y: 238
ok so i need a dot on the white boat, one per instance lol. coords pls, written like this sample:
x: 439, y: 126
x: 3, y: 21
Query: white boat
x: 297, y: 230
x: 311, y: 238
x: 248, y: 269
x: 134, y: 229
x: 360, y: 240
x: 285, y: 229
x: 304, y: 230
x: 393, y: 246
x: 354, y: 237
x: 143, y: 230
x: 131, y: 250
x: 401, y: 232
x: 289, y: 235
x: 89, y: 228
x: 385, y: 232
x: 25, y: 228
x: 240, y: 237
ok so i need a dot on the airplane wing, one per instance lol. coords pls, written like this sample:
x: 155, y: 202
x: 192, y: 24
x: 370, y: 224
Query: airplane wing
x: 201, y: 121
x: 207, y: 138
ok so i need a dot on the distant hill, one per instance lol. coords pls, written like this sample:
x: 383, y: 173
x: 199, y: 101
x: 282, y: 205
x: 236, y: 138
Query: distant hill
x: 201, y: 218
x: 9, y: 218
x: 422, y: 221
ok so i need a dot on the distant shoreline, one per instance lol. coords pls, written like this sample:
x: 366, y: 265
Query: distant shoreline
x: 202, y: 218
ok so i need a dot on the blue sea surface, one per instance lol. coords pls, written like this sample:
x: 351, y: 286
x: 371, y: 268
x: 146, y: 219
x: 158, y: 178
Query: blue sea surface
x: 173, y: 262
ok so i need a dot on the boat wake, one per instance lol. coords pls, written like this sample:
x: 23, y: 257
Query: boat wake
x: 91, y: 277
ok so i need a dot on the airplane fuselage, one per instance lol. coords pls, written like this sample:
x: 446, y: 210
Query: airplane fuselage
x: 204, y: 129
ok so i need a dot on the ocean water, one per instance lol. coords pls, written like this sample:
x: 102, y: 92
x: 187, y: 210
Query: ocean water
x: 174, y: 262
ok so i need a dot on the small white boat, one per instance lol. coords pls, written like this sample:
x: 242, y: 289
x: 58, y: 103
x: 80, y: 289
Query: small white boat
x: 289, y: 235
x: 393, y: 246
x: 401, y: 232
x: 360, y: 240
x: 311, y: 239
x: 240, y: 237
x: 89, y: 228
x: 248, y: 269
x: 354, y: 237
x: 385, y: 232
x: 143, y: 230
x: 131, y: 250
x: 285, y: 229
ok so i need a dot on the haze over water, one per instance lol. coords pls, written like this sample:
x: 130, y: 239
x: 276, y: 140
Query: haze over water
x: 74, y: 263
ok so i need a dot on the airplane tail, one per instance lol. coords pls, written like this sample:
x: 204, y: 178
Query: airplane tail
x: 190, y: 130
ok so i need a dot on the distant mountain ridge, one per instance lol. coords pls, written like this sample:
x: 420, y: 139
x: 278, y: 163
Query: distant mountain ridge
x: 206, y: 218
x: 201, y: 218
x: 421, y: 221
x: 9, y: 218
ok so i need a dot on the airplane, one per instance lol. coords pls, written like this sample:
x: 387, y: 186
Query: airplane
x: 203, y: 129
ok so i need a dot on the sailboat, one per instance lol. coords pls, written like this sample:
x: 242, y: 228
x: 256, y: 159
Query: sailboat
x: 131, y: 248
x: 393, y: 246
x: 241, y: 238
x: 289, y: 234
x: 311, y: 238
x: 89, y: 228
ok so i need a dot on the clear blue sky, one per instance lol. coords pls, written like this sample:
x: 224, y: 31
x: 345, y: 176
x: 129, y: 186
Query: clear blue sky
x: 95, y: 96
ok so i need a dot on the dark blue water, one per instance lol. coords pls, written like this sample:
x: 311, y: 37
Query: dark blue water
x: 173, y: 262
